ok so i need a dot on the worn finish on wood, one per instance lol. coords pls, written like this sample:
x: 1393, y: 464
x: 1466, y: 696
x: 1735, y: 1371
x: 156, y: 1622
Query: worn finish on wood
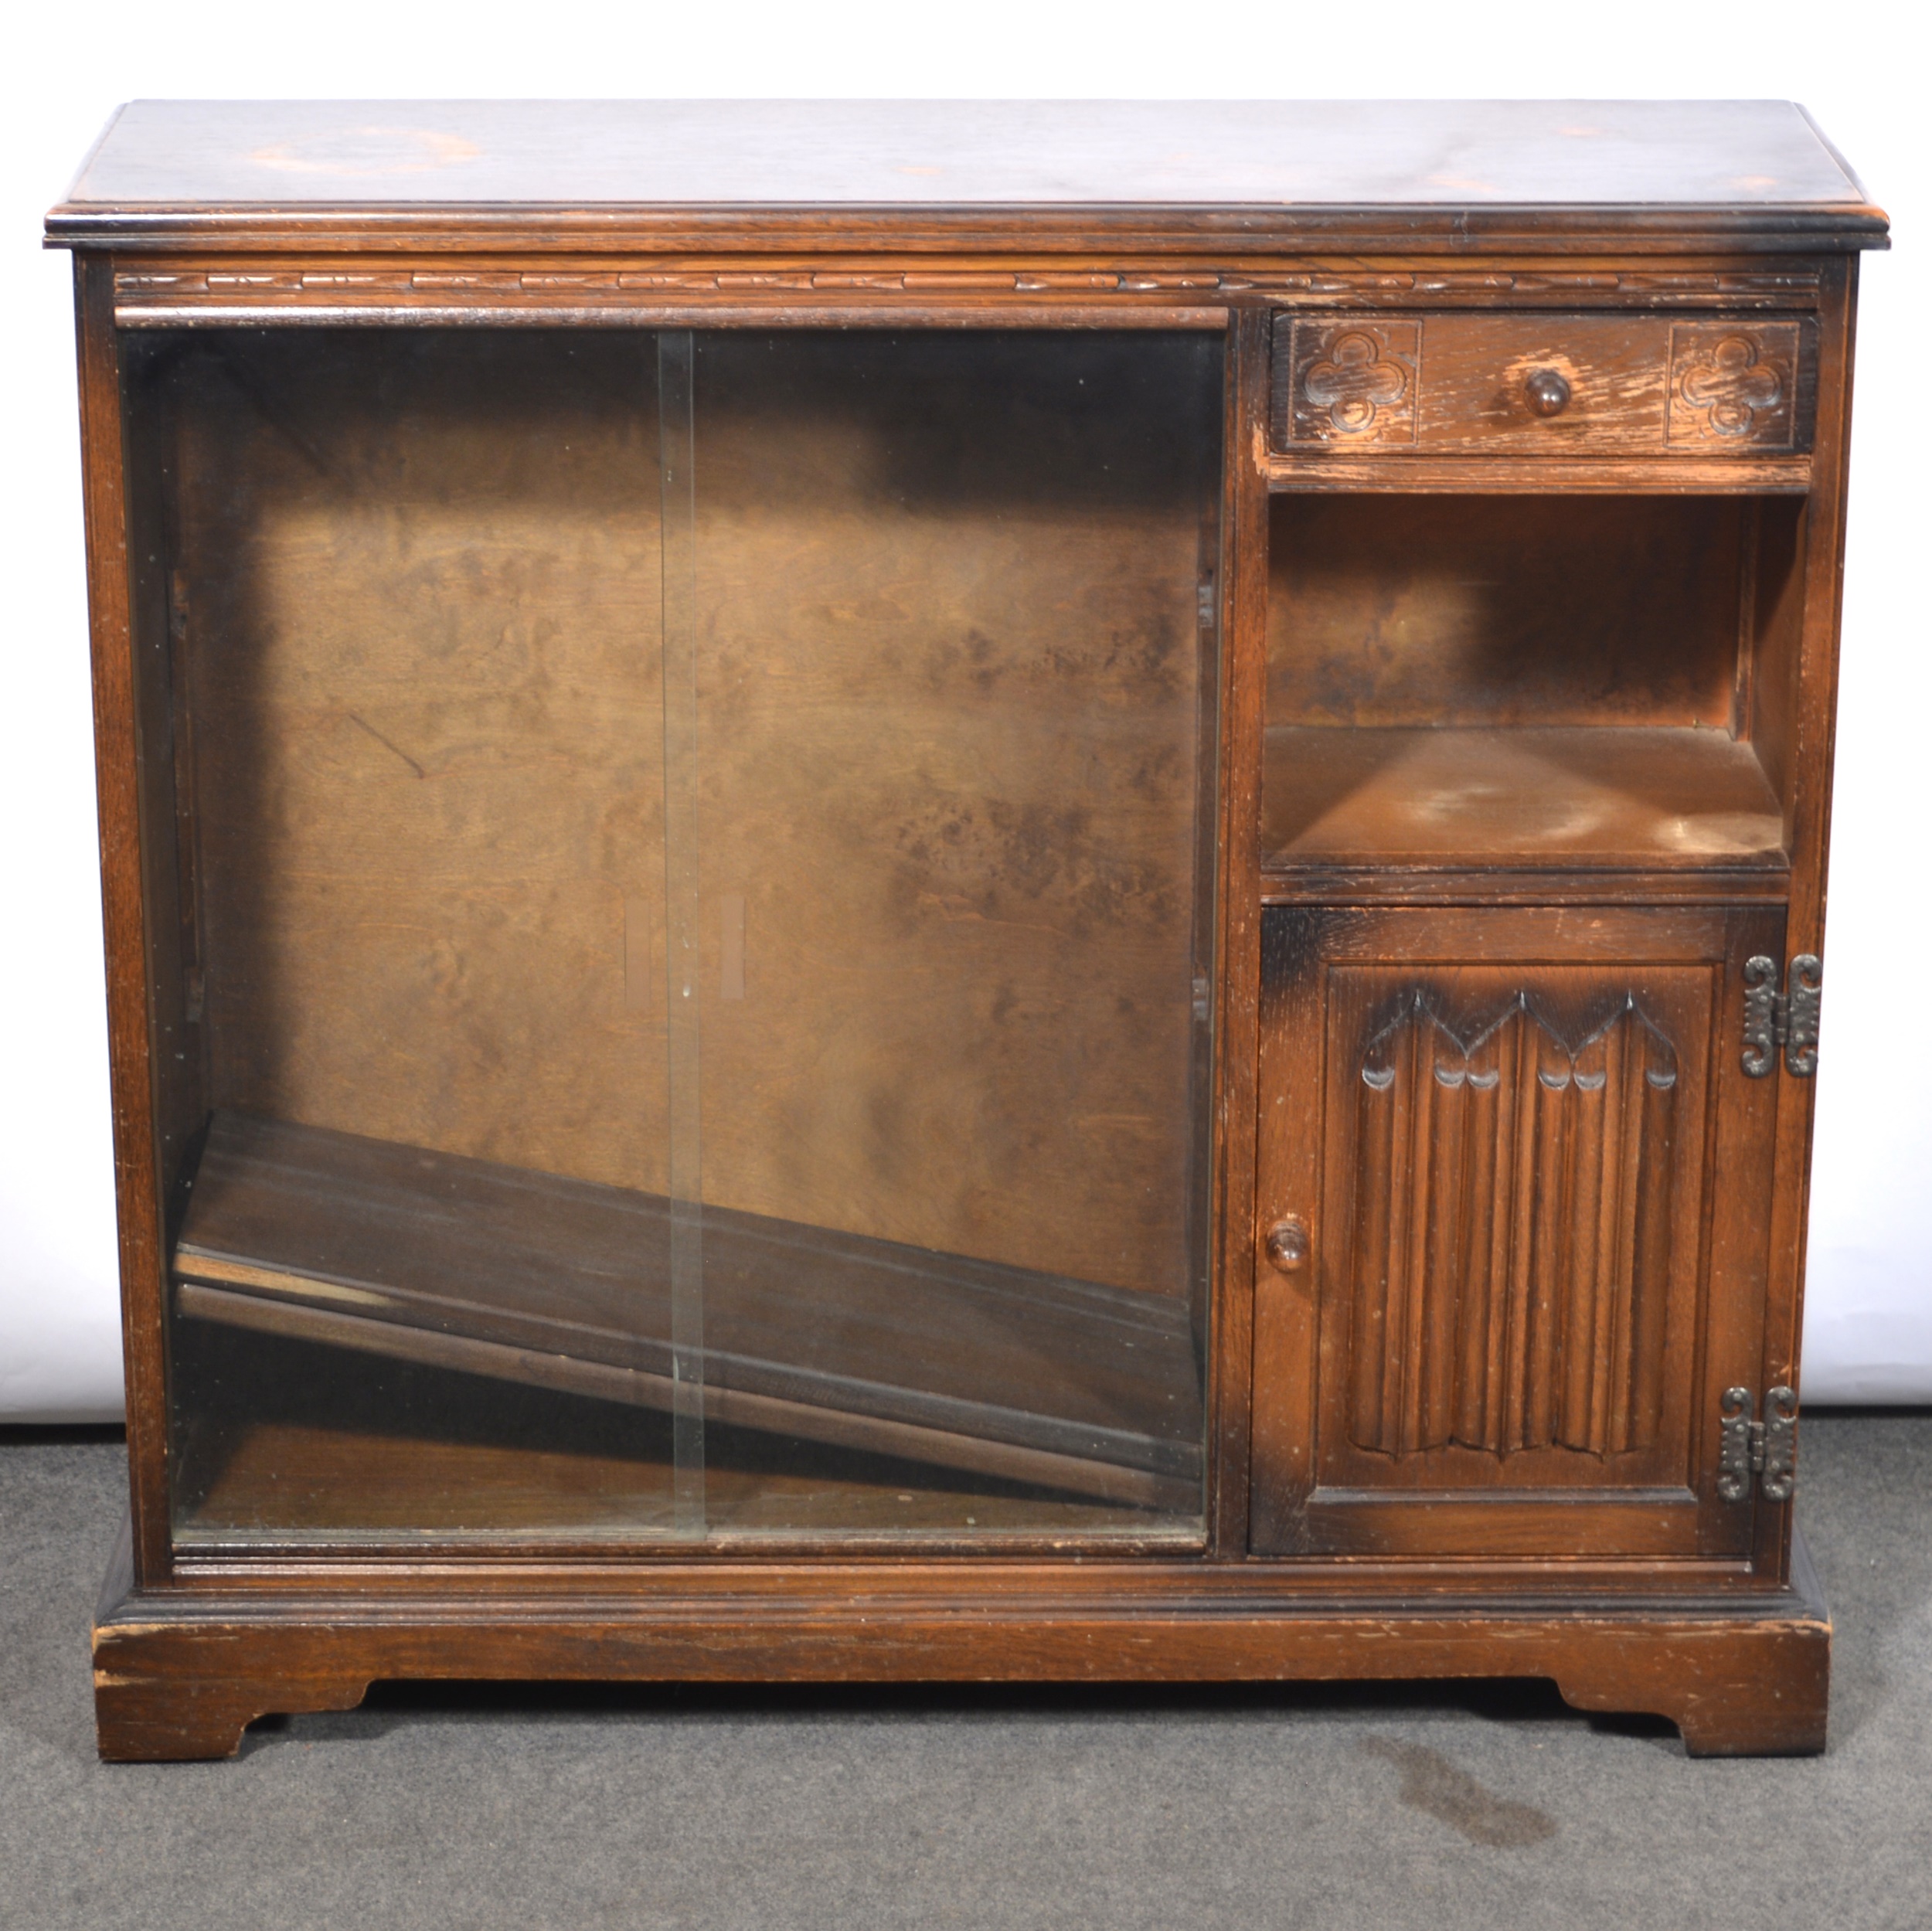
x: 192, y: 291
x: 1520, y: 611
x: 1512, y: 588
x: 1588, y: 681
x: 1243, y: 611
x: 180, y: 1677
x: 1548, y: 385
x: 1644, y: 800
x: 1810, y: 658
x: 993, y: 173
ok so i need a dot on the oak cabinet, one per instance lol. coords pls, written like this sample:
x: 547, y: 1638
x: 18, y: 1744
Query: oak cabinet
x: 1009, y: 891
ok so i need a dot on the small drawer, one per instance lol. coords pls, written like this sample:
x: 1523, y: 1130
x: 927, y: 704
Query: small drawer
x: 1470, y: 385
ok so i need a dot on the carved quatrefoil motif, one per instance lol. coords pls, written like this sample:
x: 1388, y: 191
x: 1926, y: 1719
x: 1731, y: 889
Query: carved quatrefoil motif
x: 1354, y: 381
x: 1734, y: 385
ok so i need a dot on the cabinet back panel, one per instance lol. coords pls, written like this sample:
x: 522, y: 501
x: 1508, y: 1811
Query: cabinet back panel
x: 949, y: 703
x: 422, y: 649
x: 949, y: 709
x: 1472, y: 611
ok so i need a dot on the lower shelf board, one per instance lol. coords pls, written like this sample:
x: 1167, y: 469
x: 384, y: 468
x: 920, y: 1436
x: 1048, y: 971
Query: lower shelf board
x: 518, y: 1467
x: 1627, y: 798
x: 810, y: 1334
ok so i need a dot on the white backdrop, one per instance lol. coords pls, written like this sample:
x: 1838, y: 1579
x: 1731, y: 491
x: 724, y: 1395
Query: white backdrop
x: 1869, y: 1333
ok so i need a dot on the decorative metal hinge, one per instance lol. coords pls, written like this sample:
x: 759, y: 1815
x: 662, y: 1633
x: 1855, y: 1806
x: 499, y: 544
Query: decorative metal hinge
x: 1786, y: 1020
x: 1767, y: 1449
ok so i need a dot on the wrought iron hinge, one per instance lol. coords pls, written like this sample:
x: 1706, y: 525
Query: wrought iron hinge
x: 1785, y: 1021
x: 1767, y: 1449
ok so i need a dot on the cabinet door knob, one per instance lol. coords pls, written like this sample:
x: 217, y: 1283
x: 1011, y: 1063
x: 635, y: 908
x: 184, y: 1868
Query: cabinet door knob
x: 1546, y: 392
x: 1287, y: 1243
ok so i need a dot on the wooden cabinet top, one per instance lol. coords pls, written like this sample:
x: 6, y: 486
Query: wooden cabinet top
x: 1250, y: 175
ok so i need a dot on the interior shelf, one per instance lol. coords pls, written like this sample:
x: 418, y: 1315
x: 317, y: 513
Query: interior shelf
x: 1611, y: 797
x: 810, y: 1334
x: 323, y: 1444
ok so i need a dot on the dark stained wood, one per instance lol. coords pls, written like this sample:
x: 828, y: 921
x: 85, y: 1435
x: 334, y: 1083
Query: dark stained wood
x: 365, y: 1491
x: 1808, y: 649
x: 1500, y: 1127
x: 179, y: 1674
x: 288, y: 1446
x: 1553, y: 682
x: 1547, y: 384
x: 138, y: 1181
x: 1252, y: 169
x: 1451, y: 610
x: 194, y: 287
x: 1552, y: 884
x: 809, y: 1333
x: 1319, y: 471
x: 1542, y: 673
x: 1243, y: 613
x: 923, y: 310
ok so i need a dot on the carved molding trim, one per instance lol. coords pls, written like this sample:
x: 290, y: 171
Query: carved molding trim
x: 1485, y: 285
x: 1511, y: 1256
x: 232, y: 284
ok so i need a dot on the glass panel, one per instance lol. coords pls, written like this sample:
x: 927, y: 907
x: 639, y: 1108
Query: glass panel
x: 415, y: 600
x: 679, y: 951
x: 683, y: 897
x: 951, y: 719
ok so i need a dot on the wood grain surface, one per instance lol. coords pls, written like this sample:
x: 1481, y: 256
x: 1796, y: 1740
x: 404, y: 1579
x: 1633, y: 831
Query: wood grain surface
x: 1512, y: 609
x: 177, y: 1675
x: 1547, y: 384
x: 1692, y: 158
x: 1525, y: 1288
x: 1610, y: 797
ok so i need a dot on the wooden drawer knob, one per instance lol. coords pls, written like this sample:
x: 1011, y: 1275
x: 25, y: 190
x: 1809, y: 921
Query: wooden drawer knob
x: 1287, y: 1244
x: 1546, y: 392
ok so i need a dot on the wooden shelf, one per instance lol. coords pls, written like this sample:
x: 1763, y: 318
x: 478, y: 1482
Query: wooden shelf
x: 1389, y: 473
x: 291, y: 1444
x: 1588, y: 797
x: 809, y: 1333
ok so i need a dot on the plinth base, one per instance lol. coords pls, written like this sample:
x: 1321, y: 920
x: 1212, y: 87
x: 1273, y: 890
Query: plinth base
x: 180, y: 1672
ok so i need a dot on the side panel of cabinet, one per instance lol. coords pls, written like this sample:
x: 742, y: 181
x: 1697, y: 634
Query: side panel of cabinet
x: 1524, y: 1184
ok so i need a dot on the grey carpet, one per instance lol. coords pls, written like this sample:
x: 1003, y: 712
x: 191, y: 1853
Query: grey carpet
x: 1377, y: 1808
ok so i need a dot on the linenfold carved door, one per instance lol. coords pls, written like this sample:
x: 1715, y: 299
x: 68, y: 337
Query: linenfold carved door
x: 1517, y: 1184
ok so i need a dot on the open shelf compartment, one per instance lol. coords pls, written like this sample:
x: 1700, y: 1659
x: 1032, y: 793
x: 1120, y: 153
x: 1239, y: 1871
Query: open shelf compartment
x: 1574, y: 683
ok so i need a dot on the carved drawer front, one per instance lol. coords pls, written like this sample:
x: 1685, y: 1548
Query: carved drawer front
x: 1494, y: 1229
x: 1563, y: 384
